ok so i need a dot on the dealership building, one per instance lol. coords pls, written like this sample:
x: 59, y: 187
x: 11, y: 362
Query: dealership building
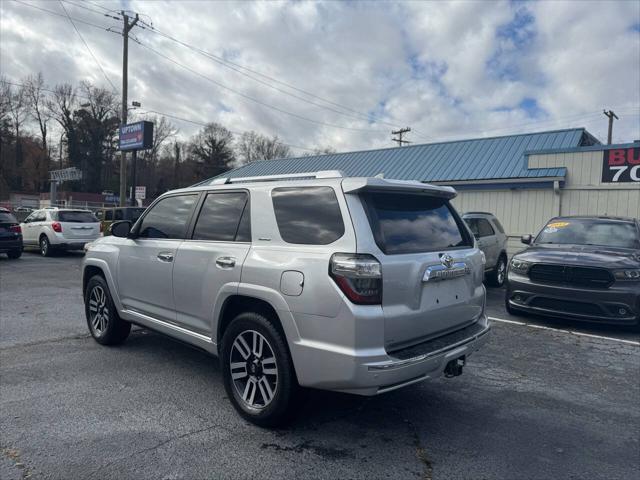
x: 523, y: 179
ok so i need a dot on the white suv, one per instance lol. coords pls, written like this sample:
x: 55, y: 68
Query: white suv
x: 52, y: 229
x: 358, y: 285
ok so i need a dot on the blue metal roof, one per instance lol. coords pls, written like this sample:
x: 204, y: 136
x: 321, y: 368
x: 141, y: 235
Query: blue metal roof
x: 475, y: 159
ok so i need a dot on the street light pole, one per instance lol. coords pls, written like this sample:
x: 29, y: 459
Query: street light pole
x: 125, y: 77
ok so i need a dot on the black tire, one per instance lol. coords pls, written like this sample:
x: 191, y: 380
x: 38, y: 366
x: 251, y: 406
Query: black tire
x: 497, y: 276
x: 45, y: 246
x: 13, y: 254
x: 109, y: 329
x: 286, y: 395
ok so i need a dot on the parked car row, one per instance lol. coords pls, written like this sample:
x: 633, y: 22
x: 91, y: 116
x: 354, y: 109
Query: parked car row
x: 54, y: 229
x: 378, y: 281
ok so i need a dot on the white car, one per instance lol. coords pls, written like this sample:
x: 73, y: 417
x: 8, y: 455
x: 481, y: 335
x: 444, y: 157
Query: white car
x: 59, y: 229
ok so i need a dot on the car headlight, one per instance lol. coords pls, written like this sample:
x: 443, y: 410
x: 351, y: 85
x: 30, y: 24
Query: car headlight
x: 627, y: 274
x: 519, y: 266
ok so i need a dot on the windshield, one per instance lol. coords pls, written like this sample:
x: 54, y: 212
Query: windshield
x: 590, y: 231
x: 76, y: 217
x: 409, y: 223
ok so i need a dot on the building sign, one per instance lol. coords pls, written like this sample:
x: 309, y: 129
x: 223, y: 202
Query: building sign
x: 141, y: 193
x: 621, y: 165
x: 136, y: 136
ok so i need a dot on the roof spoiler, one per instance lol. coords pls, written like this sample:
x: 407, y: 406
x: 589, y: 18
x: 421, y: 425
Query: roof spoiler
x: 354, y: 185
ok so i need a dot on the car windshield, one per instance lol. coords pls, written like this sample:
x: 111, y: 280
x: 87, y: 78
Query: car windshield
x: 590, y: 231
x: 76, y: 217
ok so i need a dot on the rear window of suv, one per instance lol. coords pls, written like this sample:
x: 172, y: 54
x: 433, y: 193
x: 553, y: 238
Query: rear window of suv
x: 7, y: 217
x: 409, y: 223
x: 76, y: 217
x: 308, y: 215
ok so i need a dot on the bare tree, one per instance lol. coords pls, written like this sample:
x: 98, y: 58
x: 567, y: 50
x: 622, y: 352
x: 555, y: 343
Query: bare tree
x: 18, y: 112
x: 163, y: 129
x: 320, y: 151
x: 212, y: 150
x: 253, y: 146
x: 35, y: 96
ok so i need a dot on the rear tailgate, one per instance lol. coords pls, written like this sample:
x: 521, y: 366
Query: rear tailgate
x: 431, y: 273
x: 78, y: 224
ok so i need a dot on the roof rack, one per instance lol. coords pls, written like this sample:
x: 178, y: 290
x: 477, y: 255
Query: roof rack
x: 271, y: 178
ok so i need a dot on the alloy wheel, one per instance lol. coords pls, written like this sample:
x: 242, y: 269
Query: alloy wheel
x: 253, y: 369
x: 501, y: 272
x: 99, y: 310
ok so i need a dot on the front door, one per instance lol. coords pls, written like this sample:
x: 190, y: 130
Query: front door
x: 146, y: 261
x: 211, y: 259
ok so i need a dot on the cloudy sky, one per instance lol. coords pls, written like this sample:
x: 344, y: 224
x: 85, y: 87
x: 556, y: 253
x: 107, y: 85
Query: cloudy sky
x: 344, y: 74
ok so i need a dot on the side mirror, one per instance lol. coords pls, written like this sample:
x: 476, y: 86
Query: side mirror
x: 121, y: 228
x: 526, y: 239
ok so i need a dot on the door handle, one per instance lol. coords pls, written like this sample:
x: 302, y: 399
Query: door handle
x: 165, y: 257
x: 226, y: 262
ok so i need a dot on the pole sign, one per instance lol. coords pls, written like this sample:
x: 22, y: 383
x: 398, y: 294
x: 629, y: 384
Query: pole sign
x: 621, y: 165
x: 136, y: 136
x: 141, y: 193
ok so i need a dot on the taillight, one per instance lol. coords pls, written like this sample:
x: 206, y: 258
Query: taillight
x: 56, y: 227
x: 101, y: 227
x: 15, y: 229
x: 359, y: 276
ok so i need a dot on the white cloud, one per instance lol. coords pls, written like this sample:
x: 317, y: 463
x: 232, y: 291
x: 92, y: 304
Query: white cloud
x: 448, y: 70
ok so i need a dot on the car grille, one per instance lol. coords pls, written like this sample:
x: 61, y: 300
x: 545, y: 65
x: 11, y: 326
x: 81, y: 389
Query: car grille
x: 567, y: 306
x: 570, y: 275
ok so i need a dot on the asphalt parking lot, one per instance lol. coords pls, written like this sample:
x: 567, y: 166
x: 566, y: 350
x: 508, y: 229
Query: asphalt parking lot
x: 544, y: 399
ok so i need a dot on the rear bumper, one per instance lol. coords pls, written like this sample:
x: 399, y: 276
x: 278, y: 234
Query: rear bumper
x: 10, y: 245
x: 374, y: 371
x: 619, y: 304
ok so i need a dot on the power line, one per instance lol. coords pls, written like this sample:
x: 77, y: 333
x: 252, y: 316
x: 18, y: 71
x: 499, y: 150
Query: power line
x: 248, y: 97
x: 176, y: 117
x: 113, y: 87
x: 77, y: 20
x: 79, y: 5
x: 232, y: 131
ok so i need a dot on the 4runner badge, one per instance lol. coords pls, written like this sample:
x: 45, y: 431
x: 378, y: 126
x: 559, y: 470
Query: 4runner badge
x: 447, y: 260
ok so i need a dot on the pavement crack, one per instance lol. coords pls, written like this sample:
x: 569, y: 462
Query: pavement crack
x: 327, y: 453
x: 48, y: 340
x: 420, y: 450
x: 155, y: 447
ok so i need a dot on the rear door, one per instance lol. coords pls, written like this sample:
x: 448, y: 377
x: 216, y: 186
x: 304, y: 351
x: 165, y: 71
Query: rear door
x: 78, y: 225
x: 145, y: 263
x: 429, y: 266
x: 211, y: 258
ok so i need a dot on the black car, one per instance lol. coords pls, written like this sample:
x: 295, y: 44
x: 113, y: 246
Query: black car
x: 10, y: 234
x: 584, y: 268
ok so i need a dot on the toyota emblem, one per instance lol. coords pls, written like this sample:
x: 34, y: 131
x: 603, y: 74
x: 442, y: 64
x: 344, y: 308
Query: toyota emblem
x: 447, y: 260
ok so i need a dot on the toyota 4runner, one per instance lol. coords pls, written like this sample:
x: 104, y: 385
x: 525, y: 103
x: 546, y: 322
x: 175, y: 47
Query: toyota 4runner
x: 358, y: 285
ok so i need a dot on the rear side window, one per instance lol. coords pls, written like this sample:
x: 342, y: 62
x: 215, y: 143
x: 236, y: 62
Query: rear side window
x: 6, y: 217
x: 308, y: 215
x: 76, y: 217
x: 480, y: 227
x: 117, y: 215
x: 220, y: 218
x: 168, y: 218
x: 408, y: 223
x: 108, y: 214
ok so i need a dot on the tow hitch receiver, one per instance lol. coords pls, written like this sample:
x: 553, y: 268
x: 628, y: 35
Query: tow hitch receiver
x: 454, y: 367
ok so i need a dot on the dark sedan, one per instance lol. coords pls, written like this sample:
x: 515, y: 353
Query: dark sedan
x: 10, y: 234
x: 584, y: 268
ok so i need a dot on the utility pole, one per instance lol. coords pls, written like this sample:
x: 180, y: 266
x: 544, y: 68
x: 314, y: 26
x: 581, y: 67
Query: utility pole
x: 125, y: 77
x: 611, y: 115
x: 400, y: 132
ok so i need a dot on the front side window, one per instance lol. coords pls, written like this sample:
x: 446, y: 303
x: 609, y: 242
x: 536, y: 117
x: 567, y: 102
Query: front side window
x: 308, y: 215
x: 168, y: 218
x: 117, y: 215
x: 220, y: 218
x: 590, y: 231
x: 410, y: 223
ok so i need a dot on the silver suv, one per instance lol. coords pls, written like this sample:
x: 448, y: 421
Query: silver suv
x: 358, y: 285
x: 492, y: 240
